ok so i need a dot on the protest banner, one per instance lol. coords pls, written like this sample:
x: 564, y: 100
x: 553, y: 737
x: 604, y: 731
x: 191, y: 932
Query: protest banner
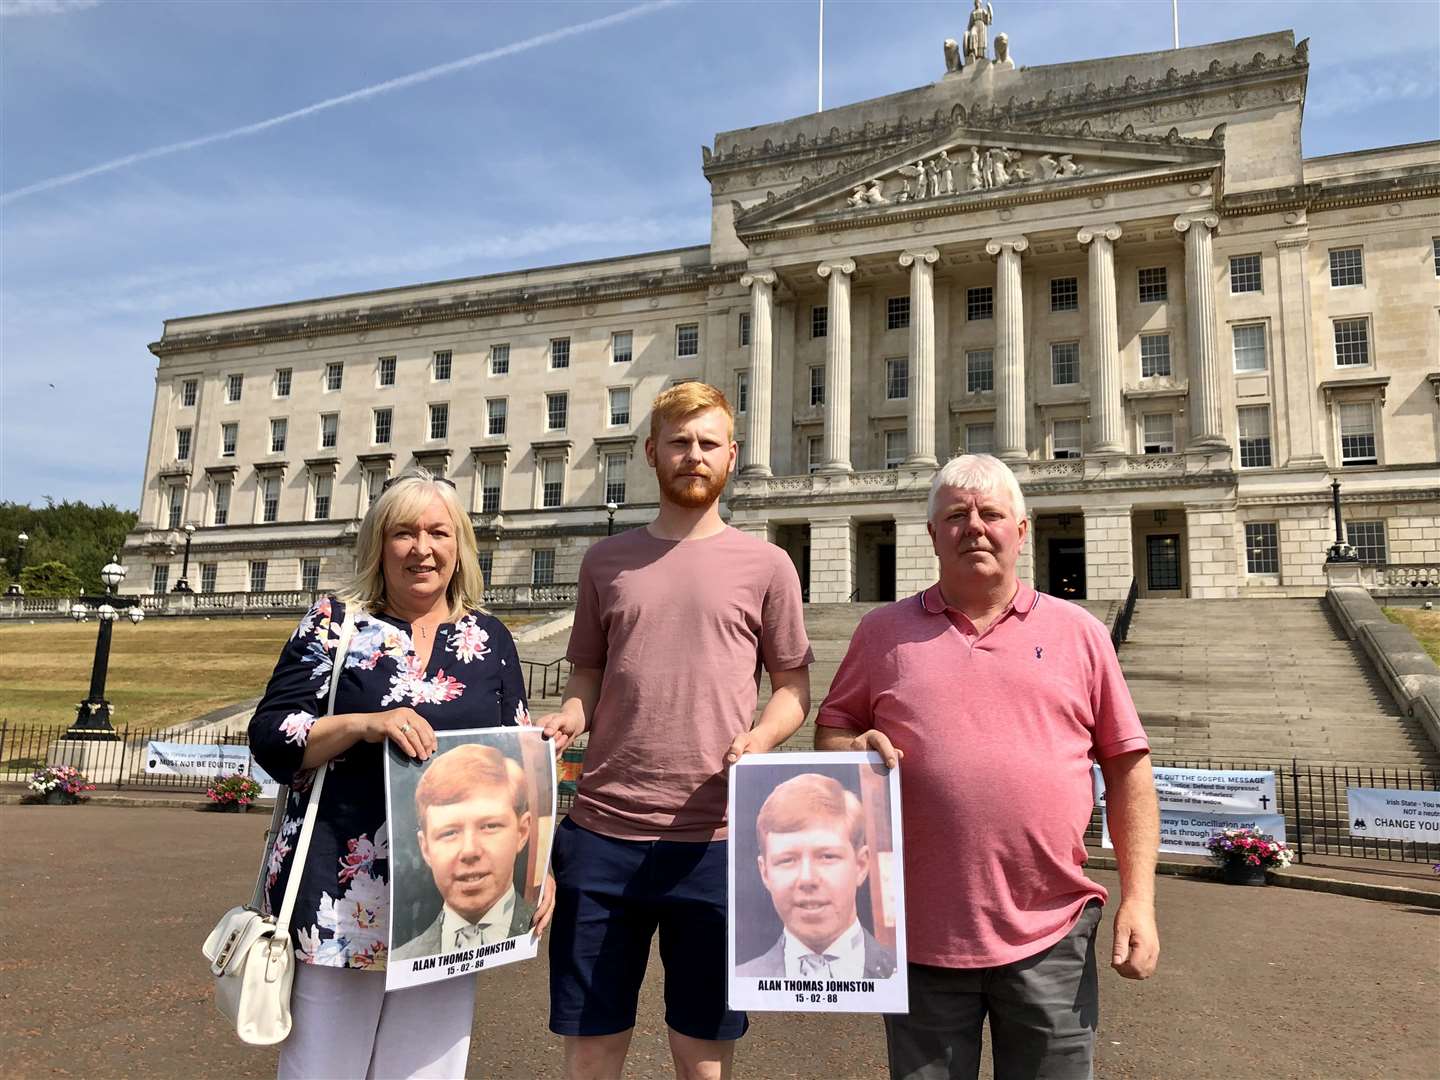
x: 470, y: 837
x: 194, y: 759
x: 1394, y: 814
x: 816, y: 884
x: 1195, y: 804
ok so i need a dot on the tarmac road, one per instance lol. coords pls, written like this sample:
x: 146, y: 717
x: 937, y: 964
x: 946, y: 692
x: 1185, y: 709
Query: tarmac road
x: 102, y: 912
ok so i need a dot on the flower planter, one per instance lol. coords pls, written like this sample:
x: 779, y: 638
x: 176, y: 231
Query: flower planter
x: 1243, y: 874
x: 60, y: 798
x: 230, y: 808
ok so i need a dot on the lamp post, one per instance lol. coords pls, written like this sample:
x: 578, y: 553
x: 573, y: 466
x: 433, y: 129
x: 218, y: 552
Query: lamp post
x: 92, y: 718
x: 183, y: 585
x: 1341, y: 551
x: 610, y: 509
x: 15, y: 588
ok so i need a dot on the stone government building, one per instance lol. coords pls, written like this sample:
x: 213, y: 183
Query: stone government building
x: 1119, y: 275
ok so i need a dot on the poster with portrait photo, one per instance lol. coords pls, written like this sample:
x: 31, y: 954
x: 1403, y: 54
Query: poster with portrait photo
x: 817, y: 892
x: 470, y: 837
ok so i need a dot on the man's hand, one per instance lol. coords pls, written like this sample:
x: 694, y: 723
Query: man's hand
x: 561, y: 728
x: 881, y: 744
x: 544, y: 909
x: 747, y: 742
x: 1137, y: 941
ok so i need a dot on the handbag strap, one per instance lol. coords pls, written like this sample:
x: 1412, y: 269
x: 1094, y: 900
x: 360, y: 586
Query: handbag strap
x: 312, y: 808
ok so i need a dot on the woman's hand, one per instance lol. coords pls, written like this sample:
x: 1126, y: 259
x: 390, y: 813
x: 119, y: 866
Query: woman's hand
x: 406, y: 728
x: 545, y: 908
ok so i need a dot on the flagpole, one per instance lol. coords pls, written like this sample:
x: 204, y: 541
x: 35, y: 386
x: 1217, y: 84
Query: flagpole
x: 1174, y: 20
x: 820, y: 73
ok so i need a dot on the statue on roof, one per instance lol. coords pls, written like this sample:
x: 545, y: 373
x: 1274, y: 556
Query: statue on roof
x: 952, y: 56
x: 1002, y: 52
x: 977, y: 34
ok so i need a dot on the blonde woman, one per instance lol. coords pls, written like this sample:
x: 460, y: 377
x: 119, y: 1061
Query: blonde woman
x: 424, y: 656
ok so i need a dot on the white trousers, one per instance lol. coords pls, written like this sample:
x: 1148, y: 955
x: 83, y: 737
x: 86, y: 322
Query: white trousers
x: 346, y: 1027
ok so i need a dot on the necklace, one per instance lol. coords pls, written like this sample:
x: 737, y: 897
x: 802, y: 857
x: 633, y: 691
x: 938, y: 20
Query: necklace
x: 424, y: 631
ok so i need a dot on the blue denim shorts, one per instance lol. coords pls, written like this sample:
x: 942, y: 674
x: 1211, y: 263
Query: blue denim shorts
x: 611, y: 896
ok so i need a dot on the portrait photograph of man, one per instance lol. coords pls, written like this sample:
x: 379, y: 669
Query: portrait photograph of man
x: 817, y: 908
x: 470, y: 836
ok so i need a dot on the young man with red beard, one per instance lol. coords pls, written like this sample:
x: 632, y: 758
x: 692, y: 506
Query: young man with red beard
x: 673, y: 623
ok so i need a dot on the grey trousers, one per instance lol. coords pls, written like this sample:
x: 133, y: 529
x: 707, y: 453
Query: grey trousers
x: 1043, y: 1011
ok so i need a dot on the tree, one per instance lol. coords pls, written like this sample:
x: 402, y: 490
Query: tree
x: 82, y: 537
x: 50, y: 579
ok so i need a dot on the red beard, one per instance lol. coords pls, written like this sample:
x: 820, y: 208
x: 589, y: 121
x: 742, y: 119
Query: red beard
x: 694, y: 492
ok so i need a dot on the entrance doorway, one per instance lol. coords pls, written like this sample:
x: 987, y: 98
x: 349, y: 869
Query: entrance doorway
x: 875, y: 561
x: 1067, y: 568
x: 795, y: 540
x: 1162, y: 562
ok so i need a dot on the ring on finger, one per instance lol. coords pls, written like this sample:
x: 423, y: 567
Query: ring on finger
x: 405, y: 729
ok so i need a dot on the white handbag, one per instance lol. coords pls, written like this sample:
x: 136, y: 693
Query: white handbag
x: 250, y: 953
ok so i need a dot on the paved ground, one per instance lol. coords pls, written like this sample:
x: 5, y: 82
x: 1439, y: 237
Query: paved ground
x: 102, y: 911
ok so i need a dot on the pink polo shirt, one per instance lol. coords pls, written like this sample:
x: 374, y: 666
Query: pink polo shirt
x: 999, y: 731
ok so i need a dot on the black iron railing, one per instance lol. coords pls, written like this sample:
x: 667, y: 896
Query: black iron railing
x: 1121, y: 630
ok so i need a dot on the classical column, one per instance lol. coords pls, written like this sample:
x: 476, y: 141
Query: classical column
x: 1107, y: 401
x: 922, y: 354
x: 1207, y: 429
x: 1303, y: 445
x: 1009, y: 349
x: 837, y: 365
x: 761, y: 284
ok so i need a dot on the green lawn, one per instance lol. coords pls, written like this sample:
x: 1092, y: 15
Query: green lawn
x: 1425, y: 625
x: 162, y: 672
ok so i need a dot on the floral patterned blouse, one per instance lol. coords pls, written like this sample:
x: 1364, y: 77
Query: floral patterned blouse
x: 473, y: 679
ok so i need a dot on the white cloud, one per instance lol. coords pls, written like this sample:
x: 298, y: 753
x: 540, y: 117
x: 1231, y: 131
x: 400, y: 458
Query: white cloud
x: 1341, y: 91
x: 10, y: 9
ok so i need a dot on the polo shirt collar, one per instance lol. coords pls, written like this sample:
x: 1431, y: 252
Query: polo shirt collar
x: 933, y: 601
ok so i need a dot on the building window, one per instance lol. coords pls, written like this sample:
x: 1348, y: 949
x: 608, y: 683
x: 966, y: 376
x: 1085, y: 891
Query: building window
x: 1347, y: 267
x: 269, y: 499
x: 1154, y: 286
x: 980, y: 371
x: 619, y: 406
x: 1352, y: 342
x: 189, y: 393
x: 440, y: 366
x: 1065, y: 436
x: 687, y: 339
x: 487, y: 565
x: 1357, y: 433
x: 385, y: 371
x: 492, y: 475
x: 497, y: 412
x: 1368, y: 540
x: 499, y: 359
x: 1262, y: 547
x: 979, y: 438
x: 557, y: 411
x: 177, y: 505
x: 552, y: 483
x: 897, y: 378
x: 1064, y: 363
x: 259, y: 571
x: 159, y: 579
x: 1254, y: 427
x: 622, y: 347
x: 1162, y: 562
x: 310, y: 574
x: 182, y: 444
x: 559, y: 353
x: 324, y: 485
x: 897, y: 446
x: 542, y: 566
x: 374, y: 485
x: 814, y: 452
x: 207, y: 577
x: 817, y: 385
x: 980, y: 303
x: 742, y: 392
x: 279, y: 431
x: 334, y: 376
x: 1158, y: 434
x: 897, y: 313
x: 229, y: 436
x: 1248, y: 344
x: 1154, y: 355
x: 1435, y: 251
x: 329, y: 430
x: 615, y: 478
x: 234, y: 384
x: 820, y: 321
x: 439, y: 420
x: 221, y: 514
x: 382, y: 426
x: 1064, y: 294
x: 282, y: 382
x: 1244, y: 273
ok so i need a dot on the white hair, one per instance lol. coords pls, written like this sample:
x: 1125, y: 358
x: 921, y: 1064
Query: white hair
x: 978, y: 472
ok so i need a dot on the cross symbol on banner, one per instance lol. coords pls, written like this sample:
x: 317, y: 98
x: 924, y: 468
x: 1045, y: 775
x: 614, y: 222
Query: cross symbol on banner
x: 1265, y: 802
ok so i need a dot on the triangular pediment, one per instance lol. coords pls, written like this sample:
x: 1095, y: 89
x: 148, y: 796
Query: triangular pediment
x: 973, y: 166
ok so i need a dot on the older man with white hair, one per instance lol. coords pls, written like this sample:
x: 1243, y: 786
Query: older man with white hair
x: 999, y: 699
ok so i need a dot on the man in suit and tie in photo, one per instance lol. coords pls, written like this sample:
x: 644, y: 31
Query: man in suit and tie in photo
x: 813, y: 858
x: 474, y: 820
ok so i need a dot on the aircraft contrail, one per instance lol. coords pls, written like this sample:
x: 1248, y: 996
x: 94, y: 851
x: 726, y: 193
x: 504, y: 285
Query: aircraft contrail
x: 344, y: 99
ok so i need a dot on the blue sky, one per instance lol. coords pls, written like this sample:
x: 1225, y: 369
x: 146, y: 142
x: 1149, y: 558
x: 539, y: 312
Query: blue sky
x: 583, y: 145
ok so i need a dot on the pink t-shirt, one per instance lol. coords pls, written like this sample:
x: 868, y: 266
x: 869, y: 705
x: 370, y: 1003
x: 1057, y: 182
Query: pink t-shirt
x: 681, y: 629
x: 999, y: 732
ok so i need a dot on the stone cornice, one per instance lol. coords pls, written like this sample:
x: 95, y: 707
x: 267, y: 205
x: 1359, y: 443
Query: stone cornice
x: 1349, y: 498
x: 1333, y: 195
x: 529, y: 299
